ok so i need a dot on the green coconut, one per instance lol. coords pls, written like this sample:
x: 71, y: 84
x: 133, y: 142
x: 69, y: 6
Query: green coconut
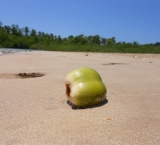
x: 84, y: 87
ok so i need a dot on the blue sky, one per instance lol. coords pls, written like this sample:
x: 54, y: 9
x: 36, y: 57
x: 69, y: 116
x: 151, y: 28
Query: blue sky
x: 126, y: 20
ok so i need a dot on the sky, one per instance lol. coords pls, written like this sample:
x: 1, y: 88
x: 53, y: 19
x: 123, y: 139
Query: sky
x: 126, y: 20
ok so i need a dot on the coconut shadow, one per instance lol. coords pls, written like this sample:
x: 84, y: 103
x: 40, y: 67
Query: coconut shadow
x: 74, y: 107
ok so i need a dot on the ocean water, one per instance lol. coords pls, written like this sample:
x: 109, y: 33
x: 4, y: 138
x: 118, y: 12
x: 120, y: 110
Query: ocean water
x: 12, y: 50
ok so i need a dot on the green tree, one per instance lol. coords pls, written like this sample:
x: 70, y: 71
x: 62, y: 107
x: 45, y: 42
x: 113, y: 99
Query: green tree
x: 81, y: 35
x: 47, y: 36
x: 43, y: 34
x: 59, y: 38
x: 14, y: 29
x: 135, y: 44
x: 96, y: 39
x: 40, y: 34
x: 103, y: 41
x: 1, y: 24
x: 111, y: 40
x: 90, y: 38
x: 26, y: 30
x: 33, y: 32
x: 70, y: 37
x: 20, y: 33
x: 8, y: 29
x: 51, y: 36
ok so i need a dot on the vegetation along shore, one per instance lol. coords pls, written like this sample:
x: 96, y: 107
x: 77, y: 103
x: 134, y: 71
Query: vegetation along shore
x: 25, y: 38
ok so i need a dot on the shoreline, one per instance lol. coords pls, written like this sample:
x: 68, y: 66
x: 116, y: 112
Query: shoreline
x: 5, y: 51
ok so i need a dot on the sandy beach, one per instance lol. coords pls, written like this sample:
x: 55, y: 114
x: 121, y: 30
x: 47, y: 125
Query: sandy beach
x: 34, y: 111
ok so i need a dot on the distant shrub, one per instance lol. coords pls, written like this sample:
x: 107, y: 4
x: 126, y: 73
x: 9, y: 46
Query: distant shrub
x: 157, y: 43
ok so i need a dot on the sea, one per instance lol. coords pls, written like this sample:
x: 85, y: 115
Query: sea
x: 13, y: 50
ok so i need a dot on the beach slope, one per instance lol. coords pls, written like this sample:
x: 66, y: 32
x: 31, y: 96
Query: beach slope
x: 35, y: 111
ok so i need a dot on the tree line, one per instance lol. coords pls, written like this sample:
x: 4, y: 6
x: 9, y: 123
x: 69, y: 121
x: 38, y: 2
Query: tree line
x: 15, y: 37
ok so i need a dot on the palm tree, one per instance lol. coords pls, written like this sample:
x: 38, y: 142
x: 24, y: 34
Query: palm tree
x: 64, y: 40
x: 59, y: 38
x: 81, y: 35
x: 135, y: 44
x: 33, y: 32
x: 90, y: 38
x: 47, y: 36
x: 19, y: 33
x: 14, y: 29
x: 55, y: 37
x: 1, y: 24
x: 51, y: 35
x: 26, y: 30
x: 43, y: 34
x: 70, y: 36
x: 113, y: 40
x: 39, y: 33
x: 103, y: 41
x: 96, y: 39
x: 8, y: 29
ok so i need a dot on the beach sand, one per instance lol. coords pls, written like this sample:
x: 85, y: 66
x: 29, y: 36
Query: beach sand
x: 34, y: 111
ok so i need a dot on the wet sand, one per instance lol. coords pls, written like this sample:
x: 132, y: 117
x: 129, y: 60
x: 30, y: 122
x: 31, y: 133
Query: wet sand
x: 34, y: 111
